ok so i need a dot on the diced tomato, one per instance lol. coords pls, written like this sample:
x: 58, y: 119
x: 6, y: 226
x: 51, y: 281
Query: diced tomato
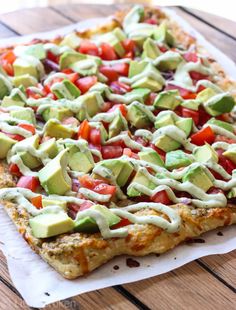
x: 129, y: 46
x: 53, y: 57
x: 129, y: 55
x: 28, y: 182
x: 110, y: 151
x: 203, y: 116
x: 105, y: 189
x: 192, y: 114
x: 84, y: 130
x: 190, y: 57
x: 106, y: 106
x: 224, y: 139
x: 120, y: 88
x: 7, y: 60
x: 32, y: 94
x: 226, y: 163
x: 206, y: 134
x: 67, y: 71
x: 70, y: 121
x: 14, y: 169
x: 141, y: 141
x: 28, y: 127
x: 162, y: 48
x: 121, y: 107
x: 37, y: 202
x: 215, y: 190
x: 184, y: 93
x: 85, y: 83
x: 88, y: 47
x: 15, y: 136
x: 88, y: 182
x: 196, y: 76
x: 110, y: 73
x: 107, y: 52
x: 128, y: 152
x: 151, y: 98
x: 159, y: 151
x: 161, y: 197
x: 122, y: 223
x: 121, y: 68
x: 73, y: 77
x: 85, y: 205
x: 151, y: 21
x: 95, y: 136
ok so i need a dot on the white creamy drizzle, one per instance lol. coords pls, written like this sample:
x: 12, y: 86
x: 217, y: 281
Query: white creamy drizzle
x: 127, y: 140
x: 114, y: 62
x: 221, y: 145
x: 167, y: 56
x: 221, y: 131
x: 56, y: 49
x: 145, y: 109
x: 143, y: 133
x: 94, y: 196
x: 14, y: 129
x: 53, y: 76
x: 4, y: 117
x: 16, y: 159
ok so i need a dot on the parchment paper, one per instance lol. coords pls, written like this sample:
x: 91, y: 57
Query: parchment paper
x: 40, y: 285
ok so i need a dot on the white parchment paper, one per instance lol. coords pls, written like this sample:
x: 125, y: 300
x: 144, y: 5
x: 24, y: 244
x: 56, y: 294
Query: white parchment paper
x: 40, y: 285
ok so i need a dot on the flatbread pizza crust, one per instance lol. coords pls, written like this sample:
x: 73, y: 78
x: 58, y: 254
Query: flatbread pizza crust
x: 76, y: 254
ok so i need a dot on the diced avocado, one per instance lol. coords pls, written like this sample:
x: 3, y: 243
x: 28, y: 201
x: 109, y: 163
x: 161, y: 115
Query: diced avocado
x: 185, y: 124
x: 137, y: 117
x: 29, y: 65
x: 16, y: 98
x: 89, y: 225
x: 85, y: 67
x: 51, y: 224
x: 118, y: 124
x: 226, y: 126
x: 231, y: 153
x: 25, y: 80
x: 162, y: 34
x: 139, y: 94
x: 70, y: 57
x: 192, y: 104
x: 5, y: 86
x: 232, y: 193
x: 147, y: 82
x: 205, y: 153
x: 168, y: 61
x: 71, y: 40
x: 198, y: 177
x: 119, y: 33
x: 167, y: 100
x: 54, y: 177
x: 26, y: 114
x: 166, y: 143
x: 151, y: 157
x: 90, y: 105
x: 150, y: 49
x: 136, y: 67
x: 6, y: 144
x: 164, y: 120
x: 135, y: 15
x: 65, y: 89
x: 80, y: 161
x: 49, y: 147
x: 57, y: 130
x: 53, y: 202
x: 29, y: 160
x: 177, y: 159
x: 114, y: 38
x: 141, y: 179
x: 56, y: 112
x: 35, y: 50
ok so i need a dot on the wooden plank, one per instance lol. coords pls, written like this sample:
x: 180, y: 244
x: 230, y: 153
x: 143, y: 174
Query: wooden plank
x: 223, y: 24
x: 188, y: 287
x: 40, y: 19
x: 8, y: 300
x: 224, y: 43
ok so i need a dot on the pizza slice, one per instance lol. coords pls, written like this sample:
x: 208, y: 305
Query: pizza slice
x: 118, y: 140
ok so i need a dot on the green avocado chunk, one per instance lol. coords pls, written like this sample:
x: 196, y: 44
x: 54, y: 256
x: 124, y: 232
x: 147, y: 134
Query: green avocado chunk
x: 151, y: 157
x: 28, y: 65
x: 65, y: 89
x: 139, y: 94
x: 55, y: 129
x: 58, y: 113
x: 68, y: 58
x: 6, y: 144
x: 26, y: 114
x: 177, y: 159
x: 137, y: 117
x: 166, y: 143
x: 164, y: 120
x: 29, y: 160
x: 80, y: 160
x: 185, y: 124
x: 51, y: 224
x: 136, y: 67
x: 35, y: 50
x: 25, y: 80
x: 5, y: 86
x: 114, y: 38
x: 168, y: 61
x: 85, y: 67
x: 140, y: 179
x: 46, y: 202
x: 167, y: 100
x: 90, y: 104
x: 89, y: 225
x: 163, y: 35
x: 49, y: 147
x: 16, y: 98
x: 225, y: 125
x: 205, y: 153
x: 231, y: 153
x: 53, y: 177
x: 198, y: 177
x: 192, y: 104
x: 150, y: 49
x: 71, y: 40
x: 147, y: 82
x: 118, y: 124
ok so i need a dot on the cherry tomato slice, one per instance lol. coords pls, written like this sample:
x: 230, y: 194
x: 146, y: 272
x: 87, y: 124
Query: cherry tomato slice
x: 206, y: 134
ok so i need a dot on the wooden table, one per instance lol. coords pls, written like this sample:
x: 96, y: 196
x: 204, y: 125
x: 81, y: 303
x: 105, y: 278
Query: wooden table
x: 207, y: 283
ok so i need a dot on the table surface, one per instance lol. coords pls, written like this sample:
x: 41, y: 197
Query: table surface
x: 207, y: 283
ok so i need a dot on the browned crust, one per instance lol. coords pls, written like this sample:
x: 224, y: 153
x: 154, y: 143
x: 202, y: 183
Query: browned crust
x: 76, y: 254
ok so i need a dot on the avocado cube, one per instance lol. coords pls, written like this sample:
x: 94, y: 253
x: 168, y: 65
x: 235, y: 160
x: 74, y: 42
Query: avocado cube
x: 139, y: 94
x: 26, y: 114
x: 85, y: 67
x: 166, y: 143
x: 25, y: 80
x: 79, y: 161
x: 117, y: 125
x: 16, y: 98
x: 177, y: 159
x: 56, y: 112
x: 29, y: 160
x: 168, y: 61
x: 164, y: 120
x: 71, y: 40
x: 65, y: 89
x: 53, y: 177
x: 5, y: 86
x: 192, y: 104
x: 136, y: 67
x: 205, y: 153
x: 49, y: 147
x: 46, y: 202
x: 141, y: 179
x: 150, y: 49
x: 50, y: 224
x: 226, y: 126
x: 35, y: 50
x: 147, y: 82
x: 124, y: 174
x: 137, y: 117
x: 90, y: 104
x: 167, y: 100
x: 231, y: 153
x: 70, y: 57
x: 55, y: 129
x: 185, y: 124
x: 119, y: 33
x: 134, y: 16
x: 112, y: 39
x: 89, y: 225
x: 151, y: 157
x: 198, y: 177
x: 6, y: 144
x: 24, y: 66
x: 163, y: 35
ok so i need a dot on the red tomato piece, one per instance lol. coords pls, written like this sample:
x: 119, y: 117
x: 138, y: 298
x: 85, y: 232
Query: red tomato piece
x: 14, y: 169
x: 206, y: 134
x: 190, y: 57
x: 161, y: 197
x: 85, y: 83
x: 107, y: 52
x: 122, y: 223
x: 28, y: 127
x: 110, y: 73
x: 110, y: 151
x: 85, y: 205
x: 151, y: 21
x: 184, y: 93
x: 7, y: 60
x: 88, y: 182
x: 105, y: 189
x: 15, y: 136
x: 84, y: 130
x: 70, y: 121
x: 89, y: 48
x: 37, y: 202
x: 106, y: 106
x: 128, y: 152
x: 28, y: 182
x: 32, y: 94
x: 226, y: 163
x: 129, y: 46
x: 192, y: 114
x: 53, y: 57
x: 120, y: 88
x: 121, y: 68
x: 196, y: 76
x: 203, y: 116
x: 151, y: 98
x: 121, y: 107
x: 95, y: 136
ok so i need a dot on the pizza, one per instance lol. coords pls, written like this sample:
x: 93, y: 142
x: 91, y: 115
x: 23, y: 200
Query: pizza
x: 116, y: 140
